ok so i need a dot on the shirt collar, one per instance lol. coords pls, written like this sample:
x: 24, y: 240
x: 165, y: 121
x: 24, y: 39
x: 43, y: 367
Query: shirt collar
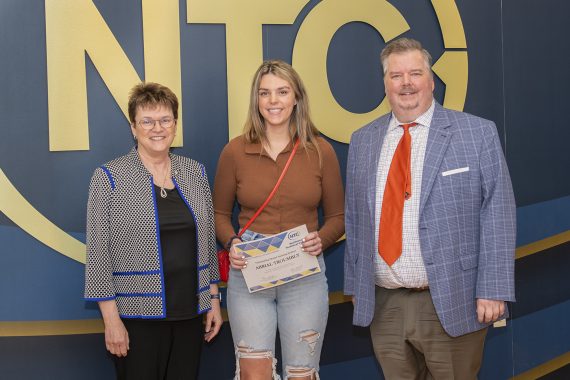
x: 424, y: 119
x: 257, y: 148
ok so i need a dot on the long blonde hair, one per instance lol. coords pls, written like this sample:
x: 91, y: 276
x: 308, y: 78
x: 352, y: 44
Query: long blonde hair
x: 300, y: 125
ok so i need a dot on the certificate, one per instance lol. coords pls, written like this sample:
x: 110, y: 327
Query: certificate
x: 276, y: 260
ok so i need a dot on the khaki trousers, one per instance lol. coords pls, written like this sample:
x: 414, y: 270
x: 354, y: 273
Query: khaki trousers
x: 410, y: 343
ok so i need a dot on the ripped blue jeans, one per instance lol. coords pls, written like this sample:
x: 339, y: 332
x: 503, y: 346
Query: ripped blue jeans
x: 299, y: 309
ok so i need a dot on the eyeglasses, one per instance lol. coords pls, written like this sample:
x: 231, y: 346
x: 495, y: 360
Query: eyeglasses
x: 148, y: 123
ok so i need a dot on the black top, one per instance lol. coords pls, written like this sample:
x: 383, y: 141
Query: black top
x: 179, y: 250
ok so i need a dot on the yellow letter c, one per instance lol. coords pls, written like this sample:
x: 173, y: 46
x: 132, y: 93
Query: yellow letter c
x: 310, y: 58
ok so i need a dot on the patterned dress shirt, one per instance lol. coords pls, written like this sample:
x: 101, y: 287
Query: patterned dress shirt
x: 409, y: 270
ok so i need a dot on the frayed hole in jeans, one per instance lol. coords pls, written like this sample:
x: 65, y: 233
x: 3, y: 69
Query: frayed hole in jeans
x: 311, y: 337
x: 301, y: 372
x: 245, y: 352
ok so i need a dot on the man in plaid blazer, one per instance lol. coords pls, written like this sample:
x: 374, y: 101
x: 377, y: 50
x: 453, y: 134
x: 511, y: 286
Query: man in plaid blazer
x: 429, y: 310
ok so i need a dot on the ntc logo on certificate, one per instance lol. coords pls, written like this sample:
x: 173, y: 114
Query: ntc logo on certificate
x: 276, y: 260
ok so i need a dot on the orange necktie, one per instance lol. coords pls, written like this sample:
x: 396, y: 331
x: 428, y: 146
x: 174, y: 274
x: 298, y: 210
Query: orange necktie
x: 398, y: 189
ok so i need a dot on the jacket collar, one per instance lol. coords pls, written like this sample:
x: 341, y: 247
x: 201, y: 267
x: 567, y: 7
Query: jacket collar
x: 439, y: 137
x: 134, y: 157
x: 440, y: 120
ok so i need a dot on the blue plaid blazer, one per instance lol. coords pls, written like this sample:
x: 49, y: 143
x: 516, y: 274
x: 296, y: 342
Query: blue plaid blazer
x: 467, y: 220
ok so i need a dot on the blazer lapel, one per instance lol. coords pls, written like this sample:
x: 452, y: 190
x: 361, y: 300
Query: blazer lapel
x: 375, y: 141
x: 438, y: 140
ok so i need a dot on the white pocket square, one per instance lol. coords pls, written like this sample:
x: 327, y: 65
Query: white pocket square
x: 455, y: 171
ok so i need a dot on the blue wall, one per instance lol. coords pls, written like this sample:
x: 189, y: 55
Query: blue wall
x: 519, y: 55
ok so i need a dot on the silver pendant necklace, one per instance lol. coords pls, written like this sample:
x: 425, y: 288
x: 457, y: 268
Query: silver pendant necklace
x: 163, y: 192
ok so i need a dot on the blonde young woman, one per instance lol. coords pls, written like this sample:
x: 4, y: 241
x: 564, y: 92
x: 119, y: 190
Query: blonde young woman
x: 248, y: 169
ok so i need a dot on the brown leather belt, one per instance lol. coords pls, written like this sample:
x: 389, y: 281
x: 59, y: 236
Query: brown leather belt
x: 421, y: 289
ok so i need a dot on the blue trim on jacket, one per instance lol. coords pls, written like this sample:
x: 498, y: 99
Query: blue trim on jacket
x: 205, y: 266
x: 136, y: 273
x: 99, y: 299
x: 138, y: 316
x: 111, y: 180
x: 163, y: 285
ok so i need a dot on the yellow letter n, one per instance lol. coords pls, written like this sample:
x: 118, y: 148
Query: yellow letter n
x: 74, y: 27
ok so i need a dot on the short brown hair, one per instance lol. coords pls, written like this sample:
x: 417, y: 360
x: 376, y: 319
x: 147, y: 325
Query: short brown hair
x: 148, y: 94
x: 403, y: 45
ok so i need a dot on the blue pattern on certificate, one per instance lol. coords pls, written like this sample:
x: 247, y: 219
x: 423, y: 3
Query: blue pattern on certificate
x: 283, y: 262
x: 263, y: 246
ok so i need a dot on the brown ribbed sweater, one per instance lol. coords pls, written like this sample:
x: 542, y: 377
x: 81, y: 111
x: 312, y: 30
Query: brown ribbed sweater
x: 247, y: 173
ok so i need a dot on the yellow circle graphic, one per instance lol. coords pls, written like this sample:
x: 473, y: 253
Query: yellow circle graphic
x: 23, y: 214
x: 318, y: 29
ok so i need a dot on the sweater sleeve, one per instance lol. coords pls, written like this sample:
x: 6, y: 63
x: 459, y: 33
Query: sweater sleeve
x: 225, y: 185
x: 332, y: 199
x: 98, y: 268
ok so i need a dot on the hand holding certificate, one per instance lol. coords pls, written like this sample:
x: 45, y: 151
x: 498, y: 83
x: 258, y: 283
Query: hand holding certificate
x: 276, y: 260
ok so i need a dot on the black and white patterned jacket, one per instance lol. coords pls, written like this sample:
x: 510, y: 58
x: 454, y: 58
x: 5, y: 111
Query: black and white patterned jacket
x: 124, y: 256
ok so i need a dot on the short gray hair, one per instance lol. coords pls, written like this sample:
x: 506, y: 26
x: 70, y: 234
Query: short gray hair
x: 403, y: 45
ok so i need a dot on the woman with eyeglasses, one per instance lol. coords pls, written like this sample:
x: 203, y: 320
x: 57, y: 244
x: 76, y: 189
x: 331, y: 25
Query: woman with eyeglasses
x: 151, y: 250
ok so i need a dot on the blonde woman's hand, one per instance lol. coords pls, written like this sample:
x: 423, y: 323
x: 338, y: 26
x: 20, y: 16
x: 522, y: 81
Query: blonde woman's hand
x: 312, y: 244
x: 236, y: 260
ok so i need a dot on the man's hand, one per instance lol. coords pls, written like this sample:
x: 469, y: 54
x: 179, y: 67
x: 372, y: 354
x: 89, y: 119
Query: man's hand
x: 489, y: 310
